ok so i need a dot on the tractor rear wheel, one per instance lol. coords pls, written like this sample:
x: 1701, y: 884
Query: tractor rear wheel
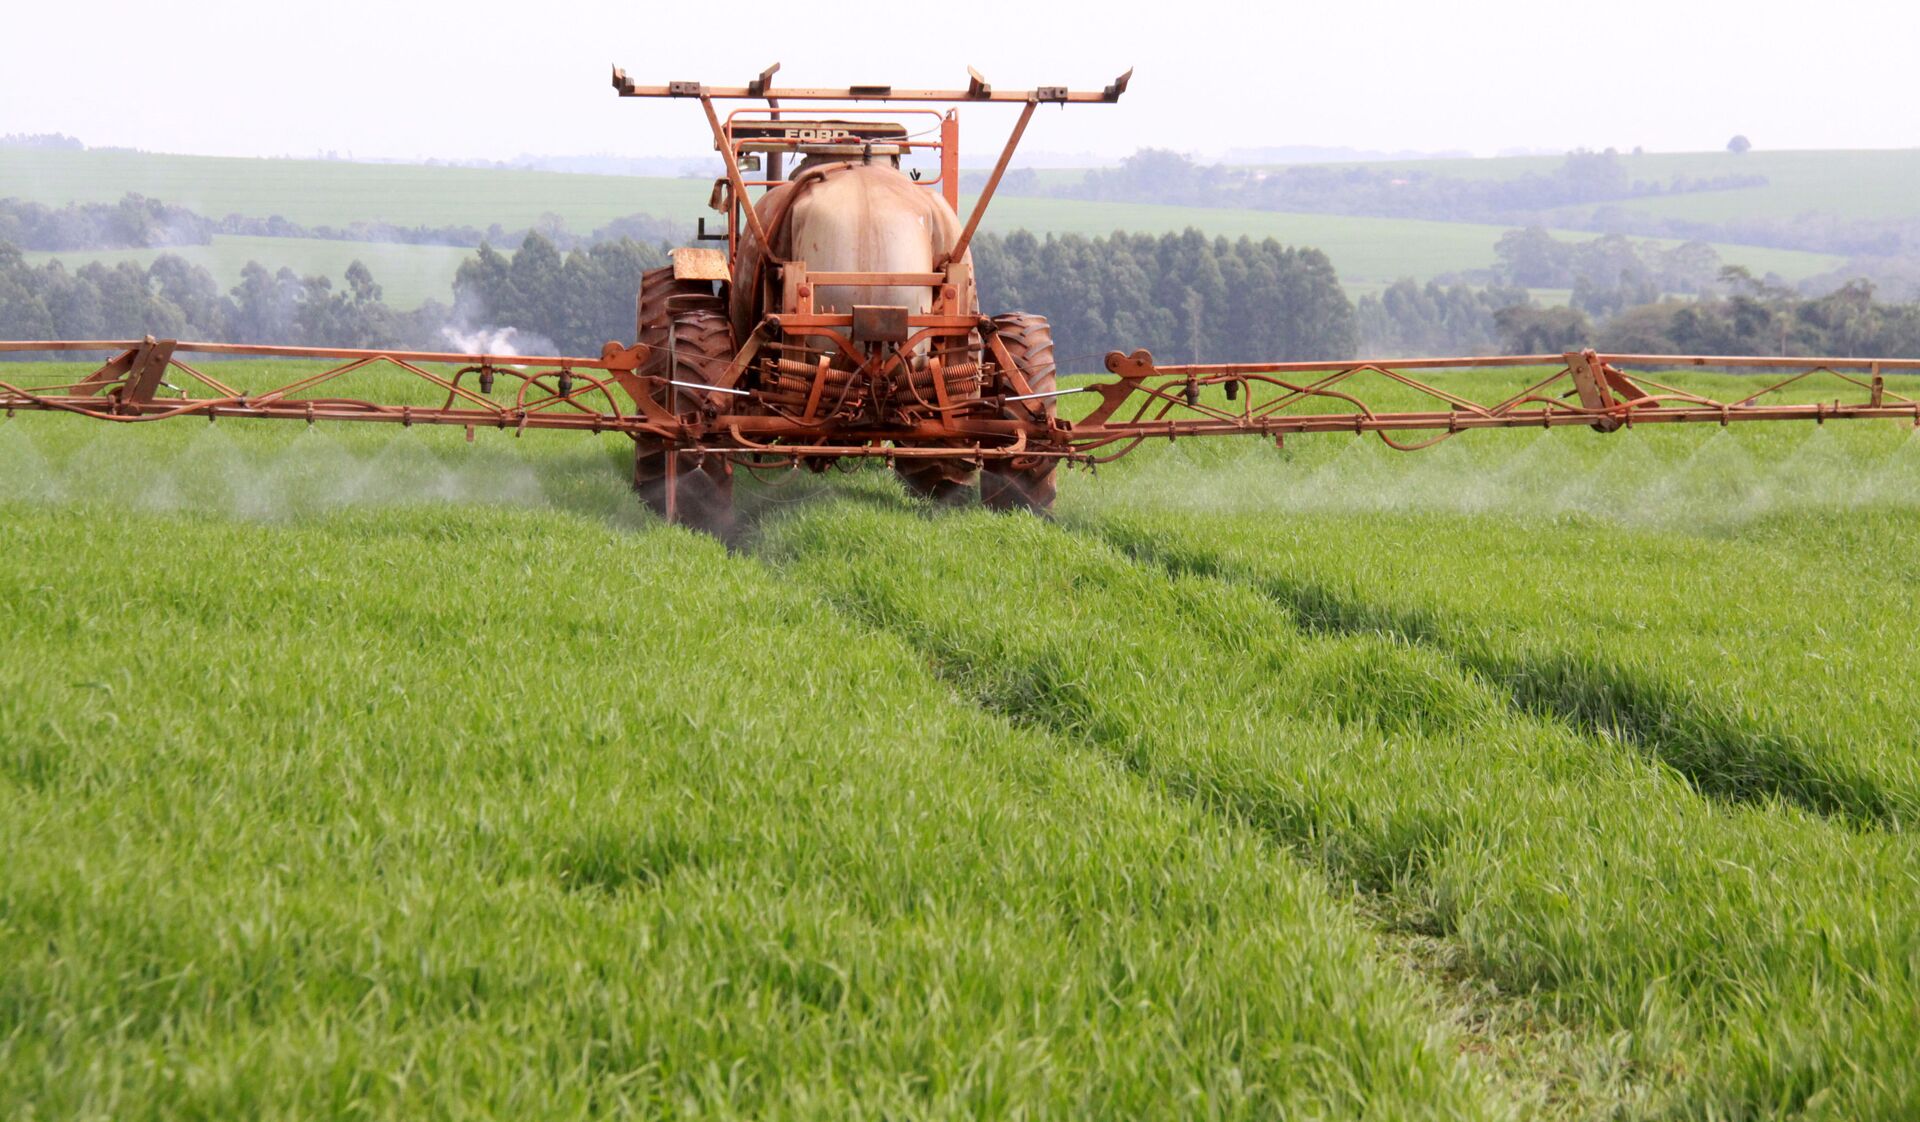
x: 696, y: 347
x: 943, y: 479
x: 661, y: 296
x: 1024, y: 484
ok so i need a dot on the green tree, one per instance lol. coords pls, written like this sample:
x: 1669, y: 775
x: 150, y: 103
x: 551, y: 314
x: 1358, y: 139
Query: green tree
x: 1647, y: 330
x: 23, y: 313
x: 1178, y: 295
x: 576, y: 302
x: 1408, y: 319
x: 264, y: 304
x: 1527, y: 330
x: 1533, y: 258
x: 193, y: 290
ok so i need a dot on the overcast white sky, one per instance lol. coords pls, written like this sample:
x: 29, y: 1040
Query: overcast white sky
x: 476, y: 79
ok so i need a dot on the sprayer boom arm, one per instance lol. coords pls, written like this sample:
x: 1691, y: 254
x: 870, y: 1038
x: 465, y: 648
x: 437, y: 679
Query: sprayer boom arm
x: 1144, y: 401
x: 592, y: 394
x: 1588, y: 388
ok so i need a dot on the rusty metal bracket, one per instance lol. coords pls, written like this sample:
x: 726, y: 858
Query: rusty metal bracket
x: 148, y: 371
x: 113, y: 371
x: 759, y: 86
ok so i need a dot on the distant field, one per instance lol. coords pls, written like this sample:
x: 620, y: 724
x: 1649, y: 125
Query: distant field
x: 409, y: 275
x: 1366, y: 251
x: 1849, y: 184
x: 1858, y: 185
x: 1362, y: 249
x: 323, y: 192
x: 1553, y: 297
x: 1369, y: 253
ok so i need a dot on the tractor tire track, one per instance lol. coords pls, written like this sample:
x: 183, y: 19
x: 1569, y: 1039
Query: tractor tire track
x: 1722, y: 756
x: 1539, y: 1058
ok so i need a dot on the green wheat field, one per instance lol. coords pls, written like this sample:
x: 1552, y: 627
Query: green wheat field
x: 351, y: 772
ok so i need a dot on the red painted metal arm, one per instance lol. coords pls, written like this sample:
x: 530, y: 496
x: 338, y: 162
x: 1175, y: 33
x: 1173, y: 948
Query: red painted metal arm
x: 547, y: 391
x: 1585, y: 388
x: 978, y: 90
x: 1143, y: 401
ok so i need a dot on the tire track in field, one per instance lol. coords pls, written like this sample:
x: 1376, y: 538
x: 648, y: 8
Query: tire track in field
x: 1721, y: 755
x: 1541, y: 1060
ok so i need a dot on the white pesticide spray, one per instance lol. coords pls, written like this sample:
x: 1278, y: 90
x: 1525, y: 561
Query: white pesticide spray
x: 1896, y: 479
x: 1664, y: 479
x: 491, y: 340
x: 25, y: 473
x: 266, y: 473
x: 471, y: 333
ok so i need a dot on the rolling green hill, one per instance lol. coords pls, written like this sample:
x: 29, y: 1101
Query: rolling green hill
x: 1368, y: 252
x: 1362, y: 249
x: 331, y: 192
x: 1852, y: 184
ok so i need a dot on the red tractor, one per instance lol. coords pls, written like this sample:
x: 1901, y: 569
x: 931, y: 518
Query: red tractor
x: 842, y: 317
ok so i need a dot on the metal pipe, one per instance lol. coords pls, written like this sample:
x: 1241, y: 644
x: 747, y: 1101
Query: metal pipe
x: 986, y: 194
x: 740, y: 198
x: 702, y: 386
x: 1469, y: 362
x: 1049, y: 393
x: 257, y: 351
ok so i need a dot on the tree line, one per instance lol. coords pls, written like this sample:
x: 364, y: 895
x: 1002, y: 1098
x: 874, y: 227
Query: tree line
x: 58, y: 140
x: 1179, y: 295
x: 1756, y: 317
x: 174, y: 298
x: 576, y: 300
x: 1159, y: 176
x: 138, y: 222
x: 1183, y: 296
x: 135, y: 222
x: 1884, y: 249
x: 1605, y: 274
x: 1745, y: 316
x: 1490, y: 310
x: 1409, y: 319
